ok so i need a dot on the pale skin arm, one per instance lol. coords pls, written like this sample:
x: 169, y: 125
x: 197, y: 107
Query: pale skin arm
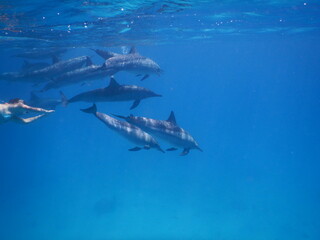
x: 34, y: 109
x: 26, y: 120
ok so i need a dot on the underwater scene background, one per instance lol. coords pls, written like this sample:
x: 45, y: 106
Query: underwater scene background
x: 242, y: 77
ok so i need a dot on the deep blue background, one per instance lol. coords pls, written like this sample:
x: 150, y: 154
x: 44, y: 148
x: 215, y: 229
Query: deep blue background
x: 251, y: 103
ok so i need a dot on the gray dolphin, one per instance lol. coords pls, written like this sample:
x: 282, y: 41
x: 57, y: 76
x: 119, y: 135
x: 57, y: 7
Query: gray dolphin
x: 12, y: 110
x: 47, y: 103
x: 89, y: 73
x: 57, y: 68
x: 168, y: 130
x: 132, y: 62
x: 114, y: 92
x: 129, y: 131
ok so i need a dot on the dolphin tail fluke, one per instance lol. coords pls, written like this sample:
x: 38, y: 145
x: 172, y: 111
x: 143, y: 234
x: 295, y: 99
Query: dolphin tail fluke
x: 92, y: 109
x: 64, y: 99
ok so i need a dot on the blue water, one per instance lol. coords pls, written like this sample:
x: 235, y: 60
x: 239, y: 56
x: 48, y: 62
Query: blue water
x: 250, y: 97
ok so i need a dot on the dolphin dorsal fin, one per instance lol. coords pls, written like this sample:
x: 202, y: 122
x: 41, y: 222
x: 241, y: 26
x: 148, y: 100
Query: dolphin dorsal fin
x: 55, y: 59
x: 172, y: 118
x: 133, y: 50
x: 113, y: 83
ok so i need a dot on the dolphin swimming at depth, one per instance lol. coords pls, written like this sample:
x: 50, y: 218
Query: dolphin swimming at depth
x: 47, y: 103
x: 129, y: 131
x: 167, y: 130
x: 114, y: 92
x: 88, y: 73
x: 30, y: 67
x: 12, y: 110
x: 132, y: 62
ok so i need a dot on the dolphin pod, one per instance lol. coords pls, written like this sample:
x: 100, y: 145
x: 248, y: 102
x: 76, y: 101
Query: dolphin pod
x: 167, y: 130
x: 142, y: 131
x: 129, y: 131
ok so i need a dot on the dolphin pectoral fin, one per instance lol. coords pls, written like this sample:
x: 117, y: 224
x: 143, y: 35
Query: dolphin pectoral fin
x: 146, y: 147
x: 135, y: 104
x: 138, y: 75
x: 145, y: 77
x: 199, y: 149
x: 185, y: 151
x: 135, y: 149
x: 171, y: 149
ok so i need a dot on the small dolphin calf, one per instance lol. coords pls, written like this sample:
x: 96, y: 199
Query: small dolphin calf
x: 129, y: 131
x: 114, y: 92
x: 168, y: 130
x: 12, y: 111
x: 132, y: 62
x: 89, y: 73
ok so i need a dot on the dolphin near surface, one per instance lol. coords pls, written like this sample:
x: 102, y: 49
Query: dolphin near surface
x: 88, y: 73
x: 58, y: 68
x: 112, y: 93
x: 12, y: 110
x: 131, y: 62
x: 127, y: 130
x: 167, y: 130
